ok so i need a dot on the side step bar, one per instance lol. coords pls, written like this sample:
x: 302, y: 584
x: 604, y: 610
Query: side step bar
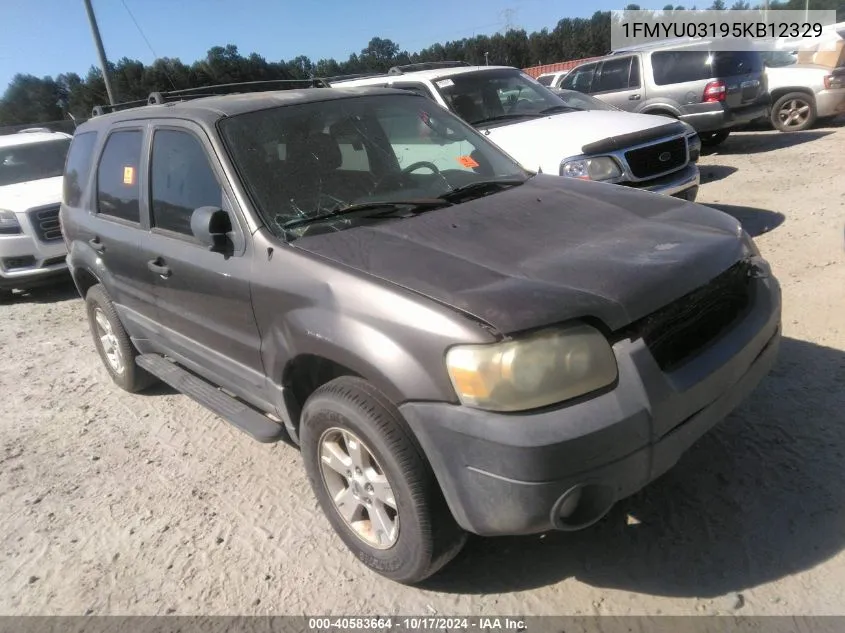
x: 240, y: 415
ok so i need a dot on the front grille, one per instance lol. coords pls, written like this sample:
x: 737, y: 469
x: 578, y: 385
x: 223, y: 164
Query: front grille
x: 654, y: 160
x: 17, y: 263
x: 676, y: 332
x: 45, y: 221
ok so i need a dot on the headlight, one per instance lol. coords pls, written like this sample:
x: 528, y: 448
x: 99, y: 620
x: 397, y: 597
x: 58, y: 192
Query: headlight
x: 534, y: 371
x: 601, y: 168
x: 9, y: 224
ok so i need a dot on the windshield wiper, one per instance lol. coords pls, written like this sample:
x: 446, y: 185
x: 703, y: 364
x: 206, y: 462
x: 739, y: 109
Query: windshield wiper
x: 506, y: 117
x: 481, y: 187
x: 387, y: 207
x: 559, y: 108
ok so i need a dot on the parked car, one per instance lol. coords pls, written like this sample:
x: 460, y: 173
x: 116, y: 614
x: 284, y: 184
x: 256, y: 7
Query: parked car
x: 713, y: 91
x: 31, y: 248
x: 530, y: 123
x: 469, y: 347
x: 552, y: 80
x: 802, y: 93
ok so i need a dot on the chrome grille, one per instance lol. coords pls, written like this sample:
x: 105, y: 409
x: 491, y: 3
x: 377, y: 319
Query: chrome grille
x: 45, y: 222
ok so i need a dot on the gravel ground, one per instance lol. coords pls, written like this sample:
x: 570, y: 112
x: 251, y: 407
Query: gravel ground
x: 118, y: 504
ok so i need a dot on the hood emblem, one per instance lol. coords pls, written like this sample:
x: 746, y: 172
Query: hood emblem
x: 663, y: 157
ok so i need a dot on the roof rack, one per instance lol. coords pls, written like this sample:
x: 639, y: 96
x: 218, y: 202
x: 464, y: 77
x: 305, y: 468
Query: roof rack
x: 157, y: 98
x: 409, y: 68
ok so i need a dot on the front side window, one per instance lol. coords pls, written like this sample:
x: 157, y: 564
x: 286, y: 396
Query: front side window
x: 580, y: 78
x: 181, y: 180
x: 614, y: 75
x: 369, y: 152
x: 32, y: 161
x: 495, y: 95
x: 117, y: 176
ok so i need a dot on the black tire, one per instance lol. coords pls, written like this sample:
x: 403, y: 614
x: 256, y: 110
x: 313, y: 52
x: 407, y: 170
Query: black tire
x: 712, y: 139
x: 794, y: 112
x: 131, y: 377
x: 428, y: 536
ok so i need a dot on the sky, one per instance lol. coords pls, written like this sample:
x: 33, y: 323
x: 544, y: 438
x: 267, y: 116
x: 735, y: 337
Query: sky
x: 49, y: 37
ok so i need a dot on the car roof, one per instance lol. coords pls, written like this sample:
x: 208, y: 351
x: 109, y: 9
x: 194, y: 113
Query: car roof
x: 209, y: 109
x: 429, y: 75
x: 28, y: 138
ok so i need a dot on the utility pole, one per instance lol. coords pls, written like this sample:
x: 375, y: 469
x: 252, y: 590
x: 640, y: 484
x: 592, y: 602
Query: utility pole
x: 486, y: 59
x: 95, y: 31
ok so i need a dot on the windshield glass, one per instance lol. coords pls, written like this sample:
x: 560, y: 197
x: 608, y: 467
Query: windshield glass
x: 778, y: 59
x: 579, y: 101
x: 301, y: 161
x: 490, y: 95
x: 546, y: 80
x: 32, y: 161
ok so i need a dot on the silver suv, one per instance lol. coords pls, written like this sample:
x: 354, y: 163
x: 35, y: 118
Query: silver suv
x: 711, y: 90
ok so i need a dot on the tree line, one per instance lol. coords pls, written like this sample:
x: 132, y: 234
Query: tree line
x: 29, y: 99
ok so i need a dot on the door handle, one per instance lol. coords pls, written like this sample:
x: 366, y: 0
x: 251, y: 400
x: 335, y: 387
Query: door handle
x: 97, y: 245
x: 634, y: 98
x: 156, y: 266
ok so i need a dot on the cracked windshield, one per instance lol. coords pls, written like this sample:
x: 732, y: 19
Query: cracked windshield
x: 336, y: 164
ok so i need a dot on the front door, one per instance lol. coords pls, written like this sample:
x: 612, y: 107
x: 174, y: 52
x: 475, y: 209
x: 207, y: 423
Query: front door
x: 204, y: 301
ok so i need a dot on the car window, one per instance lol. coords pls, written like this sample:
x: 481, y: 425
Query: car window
x: 779, y: 59
x: 181, y: 180
x: 488, y: 95
x: 32, y: 161
x: 614, y: 75
x: 675, y: 67
x: 734, y: 63
x: 580, y: 78
x: 78, y: 167
x: 634, y: 78
x: 546, y: 80
x: 117, y: 175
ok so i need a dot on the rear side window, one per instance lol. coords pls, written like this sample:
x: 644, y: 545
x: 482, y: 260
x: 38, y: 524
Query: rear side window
x: 181, y: 180
x: 676, y: 67
x: 117, y: 176
x: 734, y: 63
x: 615, y: 74
x: 78, y: 167
x: 581, y: 78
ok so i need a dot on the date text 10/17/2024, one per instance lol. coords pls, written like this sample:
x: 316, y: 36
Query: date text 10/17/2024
x: 417, y: 623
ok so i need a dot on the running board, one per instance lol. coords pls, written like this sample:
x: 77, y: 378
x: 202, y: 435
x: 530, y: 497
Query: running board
x: 240, y: 415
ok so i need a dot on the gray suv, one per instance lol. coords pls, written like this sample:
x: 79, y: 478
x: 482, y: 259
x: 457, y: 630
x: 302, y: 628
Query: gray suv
x: 469, y: 347
x: 713, y: 91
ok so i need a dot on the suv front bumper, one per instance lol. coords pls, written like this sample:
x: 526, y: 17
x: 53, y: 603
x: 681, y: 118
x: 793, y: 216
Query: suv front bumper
x: 26, y: 261
x: 680, y: 184
x: 505, y: 474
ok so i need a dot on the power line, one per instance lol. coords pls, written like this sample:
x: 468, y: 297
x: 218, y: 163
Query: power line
x: 150, y: 46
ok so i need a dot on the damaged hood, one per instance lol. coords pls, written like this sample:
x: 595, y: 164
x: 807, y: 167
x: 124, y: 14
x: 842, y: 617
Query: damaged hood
x: 545, y: 252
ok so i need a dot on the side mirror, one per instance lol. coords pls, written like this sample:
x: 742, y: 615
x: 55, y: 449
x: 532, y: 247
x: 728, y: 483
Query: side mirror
x: 211, y: 226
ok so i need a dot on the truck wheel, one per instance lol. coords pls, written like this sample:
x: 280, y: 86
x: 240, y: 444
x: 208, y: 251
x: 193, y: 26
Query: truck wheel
x: 794, y: 112
x: 374, y: 484
x: 113, y: 344
x: 712, y: 139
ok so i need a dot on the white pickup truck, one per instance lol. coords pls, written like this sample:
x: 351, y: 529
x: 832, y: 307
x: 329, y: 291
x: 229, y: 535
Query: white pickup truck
x: 543, y: 133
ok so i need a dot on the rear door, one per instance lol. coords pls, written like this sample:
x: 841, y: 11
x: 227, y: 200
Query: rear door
x: 204, y: 298
x: 617, y: 82
x: 742, y: 72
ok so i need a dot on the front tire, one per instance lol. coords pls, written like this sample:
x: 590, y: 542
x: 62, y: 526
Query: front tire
x: 113, y: 343
x: 794, y: 112
x: 712, y: 139
x: 374, y: 484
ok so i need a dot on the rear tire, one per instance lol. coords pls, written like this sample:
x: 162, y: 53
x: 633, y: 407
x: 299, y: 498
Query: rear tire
x: 113, y: 344
x: 346, y: 422
x: 712, y: 139
x: 794, y: 112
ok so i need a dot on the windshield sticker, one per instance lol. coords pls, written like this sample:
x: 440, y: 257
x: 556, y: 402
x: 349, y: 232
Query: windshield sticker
x: 445, y: 83
x: 468, y: 161
x: 128, y: 175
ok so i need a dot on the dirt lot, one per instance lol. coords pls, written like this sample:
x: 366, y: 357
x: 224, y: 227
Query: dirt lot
x: 119, y: 504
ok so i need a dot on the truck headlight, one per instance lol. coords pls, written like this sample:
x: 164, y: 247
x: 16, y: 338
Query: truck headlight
x: 600, y: 168
x: 9, y: 224
x: 533, y: 371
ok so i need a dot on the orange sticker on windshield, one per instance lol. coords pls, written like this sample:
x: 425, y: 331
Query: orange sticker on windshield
x: 467, y: 161
x: 128, y: 175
